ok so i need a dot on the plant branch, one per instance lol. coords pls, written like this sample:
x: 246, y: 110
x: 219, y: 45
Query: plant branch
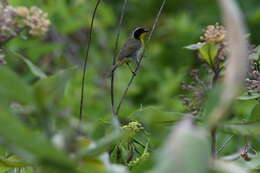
x: 114, y: 60
x: 140, y: 58
x: 214, y: 130
x: 86, y: 60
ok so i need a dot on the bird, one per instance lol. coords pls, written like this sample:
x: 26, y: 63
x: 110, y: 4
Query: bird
x: 131, y: 48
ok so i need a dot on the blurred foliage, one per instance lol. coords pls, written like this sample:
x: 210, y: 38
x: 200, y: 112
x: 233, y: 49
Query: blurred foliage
x: 41, y: 82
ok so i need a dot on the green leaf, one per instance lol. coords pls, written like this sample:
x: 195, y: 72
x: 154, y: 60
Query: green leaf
x: 187, y: 150
x: 32, y: 147
x: 13, y: 88
x: 253, y: 164
x: 255, y: 115
x: 50, y: 90
x: 256, y: 53
x: 34, y: 69
x: 4, y: 169
x: 228, y: 167
x: 101, y: 146
x: 249, y: 128
x: 13, y: 163
x: 211, y: 101
x: 149, y: 115
x: 195, y: 46
x: 249, y: 97
x: 209, y: 53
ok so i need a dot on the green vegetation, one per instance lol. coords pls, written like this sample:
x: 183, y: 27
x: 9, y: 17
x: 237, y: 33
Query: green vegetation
x: 193, y: 106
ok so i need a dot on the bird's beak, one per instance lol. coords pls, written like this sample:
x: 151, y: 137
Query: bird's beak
x: 146, y: 31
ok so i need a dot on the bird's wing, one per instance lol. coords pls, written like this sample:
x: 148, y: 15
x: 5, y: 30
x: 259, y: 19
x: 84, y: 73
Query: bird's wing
x: 129, y: 49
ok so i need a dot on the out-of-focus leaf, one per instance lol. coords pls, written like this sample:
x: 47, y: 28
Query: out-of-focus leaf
x: 4, y: 169
x: 195, y: 46
x: 13, y: 88
x: 209, y: 52
x: 211, y: 101
x: 255, y: 115
x: 228, y: 167
x: 236, y: 67
x: 28, y: 170
x: 51, y: 89
x: 95, y: 154
x: 249, y: 128
x: 11, y: 163
x: 34, y: 69
x: 150, y: 115
x: 111, y: 167
x: 256, y: 53
x: 253, y: 164
x: 31, y: 147
x: 186, y: 150
x: 101, y: 146
x: 249, y: 97
x: 102, y: 165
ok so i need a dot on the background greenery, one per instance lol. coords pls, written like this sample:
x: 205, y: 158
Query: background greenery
x: 50, y: 106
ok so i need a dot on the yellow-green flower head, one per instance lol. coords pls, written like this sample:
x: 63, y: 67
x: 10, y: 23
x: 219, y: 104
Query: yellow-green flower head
x: 133, y: 126
x: 36, y: 19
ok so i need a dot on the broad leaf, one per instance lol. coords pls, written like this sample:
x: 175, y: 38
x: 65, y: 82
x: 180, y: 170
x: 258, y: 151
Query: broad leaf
x: 211, y: 101
x: 101, y: 146
x: 13, y: 163
x: 4, y: 169
x: 186, y: 150
x: 32, y: 147
x: 209, y: 53
x: 249, y: 97
x: 34, y: 69
x: 150, y: 115
x: 228, y: 167
x: 255, y: 115
x: 51, y: 89
x: 195, y: 46
x: 13, y: 88
x: 256, y: 53
x: 253, y: 164
x: 249, y: 128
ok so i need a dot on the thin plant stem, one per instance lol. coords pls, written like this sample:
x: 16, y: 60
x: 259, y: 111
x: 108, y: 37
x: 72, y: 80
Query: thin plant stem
x: 86, y: 60
x: 140, y: 58
x: 224, y: 144
x: 213, y: 142
x: 214, y: 130
x: 122, y: 14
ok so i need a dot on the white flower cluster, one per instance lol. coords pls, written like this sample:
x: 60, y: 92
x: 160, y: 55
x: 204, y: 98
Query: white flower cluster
x: 7, y: 22
x: 36, y: 19
x: 10, y: 25
x: 214, y: 34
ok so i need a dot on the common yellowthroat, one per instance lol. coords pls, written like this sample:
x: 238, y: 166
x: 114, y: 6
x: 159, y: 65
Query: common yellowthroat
x: 131, y: 48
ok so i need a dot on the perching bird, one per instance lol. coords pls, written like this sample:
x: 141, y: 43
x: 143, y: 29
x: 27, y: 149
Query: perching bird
x: 131, y: 48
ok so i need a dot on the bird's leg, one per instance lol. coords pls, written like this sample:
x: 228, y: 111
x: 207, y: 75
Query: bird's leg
x: 130, y: 68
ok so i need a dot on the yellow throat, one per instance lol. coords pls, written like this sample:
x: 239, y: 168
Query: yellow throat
x: 142, y: 36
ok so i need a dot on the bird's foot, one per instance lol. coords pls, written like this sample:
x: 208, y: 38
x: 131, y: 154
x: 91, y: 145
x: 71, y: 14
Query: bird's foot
x: 134, y: 73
